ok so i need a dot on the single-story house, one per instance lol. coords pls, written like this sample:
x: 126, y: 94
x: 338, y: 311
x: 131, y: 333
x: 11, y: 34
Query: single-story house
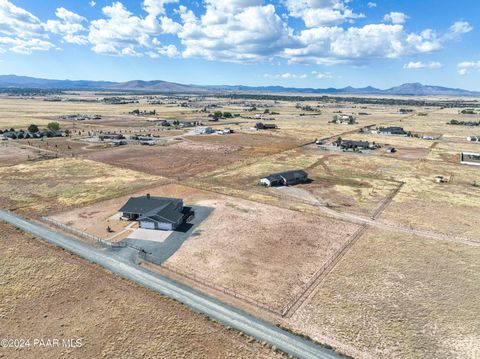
x: 470, y: 158
x: 265, y: 126
x: 287, y: 178
x: 473, y: 138
x: 155, y: 212
x: 352, y: 145
x: 344, y: 119
x: 392, y: 131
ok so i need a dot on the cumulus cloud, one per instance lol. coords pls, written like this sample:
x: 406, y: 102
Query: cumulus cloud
x: 123, y: 33
x: 465, y: 66
x: 334, y: 45
x: 422, y: 65
x: 235, y: 30
x: 69, y: 26
x: 321, y: 13
x: 395, y: 17
x: 21, y: 31
x: 460, y: 27
x: 371, y: 5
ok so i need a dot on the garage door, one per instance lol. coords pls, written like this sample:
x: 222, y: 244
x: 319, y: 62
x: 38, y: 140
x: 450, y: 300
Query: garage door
x: 147, y: 225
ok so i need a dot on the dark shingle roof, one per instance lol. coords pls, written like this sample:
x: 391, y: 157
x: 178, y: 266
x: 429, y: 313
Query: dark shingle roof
x: 143, y: 204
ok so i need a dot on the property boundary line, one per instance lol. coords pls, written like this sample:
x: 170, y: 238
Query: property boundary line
x: 318, y: 277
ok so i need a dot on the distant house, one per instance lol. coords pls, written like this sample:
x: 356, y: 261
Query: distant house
x: 265, y: 126
x: 352, y: 145
x: 470, y: 158
x: 204, y: 130
x: 155, y: 212
x: 344, y: 119
x: 287, y: 178
x: 111, y: 136
x: 473, y: 138
x: 392, y: 131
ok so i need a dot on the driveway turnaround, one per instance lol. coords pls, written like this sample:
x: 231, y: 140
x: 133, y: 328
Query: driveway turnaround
x: 121, y: 262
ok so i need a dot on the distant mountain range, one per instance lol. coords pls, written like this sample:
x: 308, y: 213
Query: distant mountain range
x: 408, y: 89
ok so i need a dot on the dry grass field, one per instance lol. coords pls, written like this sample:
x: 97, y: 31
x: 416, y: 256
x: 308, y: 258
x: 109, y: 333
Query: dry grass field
x: 51, y: 185
x: 112, y: 317
x: 393, y: 294
x: 399, y: 296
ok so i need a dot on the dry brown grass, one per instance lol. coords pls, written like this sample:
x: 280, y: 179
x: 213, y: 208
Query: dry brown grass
x: 47, y: 293
x: 399, y: 296
x: 64, y: 182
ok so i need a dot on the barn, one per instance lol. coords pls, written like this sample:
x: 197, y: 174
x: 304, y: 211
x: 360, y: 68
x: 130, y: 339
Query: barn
x: 154, y: 212
x: 287, y: 178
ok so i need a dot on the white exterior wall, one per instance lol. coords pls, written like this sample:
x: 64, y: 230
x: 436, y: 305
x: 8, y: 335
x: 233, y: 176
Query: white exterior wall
x: 147, y: 225
x: 265, y: 182
x: 165, y: 226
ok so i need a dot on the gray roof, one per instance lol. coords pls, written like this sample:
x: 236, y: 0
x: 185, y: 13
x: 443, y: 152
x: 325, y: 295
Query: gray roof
x: 168, y: 214
x: 143, y: 204
x: 288, y: 175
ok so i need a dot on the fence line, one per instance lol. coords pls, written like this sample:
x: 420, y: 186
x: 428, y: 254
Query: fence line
x: 148, y: 257
x: 82, y: 233
x: 325, y: 269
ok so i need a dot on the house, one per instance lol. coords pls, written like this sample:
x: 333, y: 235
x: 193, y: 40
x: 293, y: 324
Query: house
x: 352, y: 145
x: 155, y: 212
x: 287, y: 178
x: 473, y: 138
x: 111, y: 136
x: 204, y: 130
x: 227, y: 130
x: 392, y: 131
x: 391, y: 150
x: 470, y: 158
x: 344, y: 119
x: 265, y: 126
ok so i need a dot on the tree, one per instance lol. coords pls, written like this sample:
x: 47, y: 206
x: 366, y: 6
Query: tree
x: 33, y: 128
x: 53, y: 126
x: 227, y: 115
x: 217, y: 114
x: 67, y: 132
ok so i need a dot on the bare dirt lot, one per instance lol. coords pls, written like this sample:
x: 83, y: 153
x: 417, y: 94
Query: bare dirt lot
x: 263, y: 252
x: 180, y: 160
x: 399, y: 296
x: 112, y: 317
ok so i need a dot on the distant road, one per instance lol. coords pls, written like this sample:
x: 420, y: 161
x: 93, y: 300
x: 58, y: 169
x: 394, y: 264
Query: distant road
x: 120, y: 262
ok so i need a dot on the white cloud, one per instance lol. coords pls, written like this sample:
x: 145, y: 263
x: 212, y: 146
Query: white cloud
x: 395, y: 17
x: 322, y: 75
x: 69, y: 25
x: 321, y: 12
x: 371, y: 5
x: 92, y: 3
x: 460, y: 27
x: 465, y: 66
x: 247, y: 32
x: 422, y: 65
x: 334, y: 45
x: 286, y: 75
x: 21, y: 31
x: 123, y: 33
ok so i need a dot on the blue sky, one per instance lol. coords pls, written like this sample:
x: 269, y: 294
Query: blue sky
x: 299, y: 43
